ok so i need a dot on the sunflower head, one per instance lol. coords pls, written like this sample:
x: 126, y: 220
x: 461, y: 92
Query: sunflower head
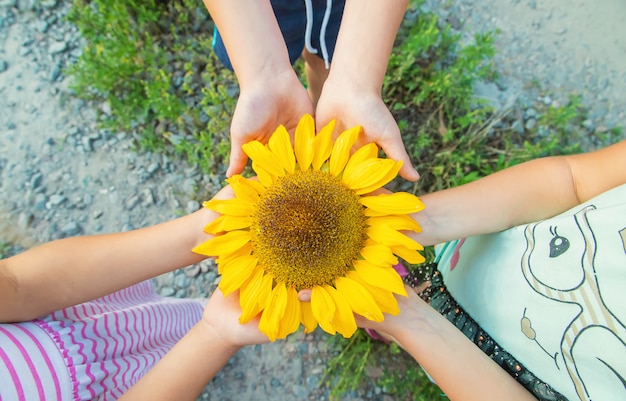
x: 308, y: 222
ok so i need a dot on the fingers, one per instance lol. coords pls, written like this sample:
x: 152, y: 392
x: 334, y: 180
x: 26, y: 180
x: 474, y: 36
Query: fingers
x: 395, y: 150
x: 225, y: 193
x: 304, y: 295
x: 238, y: 160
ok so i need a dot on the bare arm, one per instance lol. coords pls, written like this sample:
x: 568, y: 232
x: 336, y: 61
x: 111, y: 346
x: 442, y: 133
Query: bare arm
x: 528, y: 192
x: 366, y: 38
x: 458, y: 366
x: 74, y: 270
x: 271, y: 93
x: 352, y: 92
x: 200, y: 354
x: 252, y: 38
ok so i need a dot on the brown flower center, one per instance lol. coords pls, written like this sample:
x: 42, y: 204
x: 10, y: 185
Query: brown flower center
x: 308, y: 229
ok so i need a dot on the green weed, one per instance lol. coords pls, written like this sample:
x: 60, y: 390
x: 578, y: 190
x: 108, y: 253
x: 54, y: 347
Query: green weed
x: 151, y: 62
x: 346, y: 370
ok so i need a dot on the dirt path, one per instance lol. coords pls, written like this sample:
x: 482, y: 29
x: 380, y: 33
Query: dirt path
x: 567, y: 47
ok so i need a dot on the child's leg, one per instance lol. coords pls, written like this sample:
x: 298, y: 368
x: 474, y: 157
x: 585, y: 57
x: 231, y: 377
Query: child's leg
x: 316, y: 74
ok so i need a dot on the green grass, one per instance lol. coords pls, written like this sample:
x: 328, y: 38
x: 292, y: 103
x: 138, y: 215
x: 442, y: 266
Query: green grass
x: 164, y: 84
x: 161, y: 80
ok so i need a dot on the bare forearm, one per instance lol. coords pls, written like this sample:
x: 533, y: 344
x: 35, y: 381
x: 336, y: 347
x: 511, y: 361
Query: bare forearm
x: 366, y: 38
x: 517, y: 195
x: 186, y: 369
x: 521, y: 194
x: 458, y: 367
x: 74, y: 270
x: 251, y: 36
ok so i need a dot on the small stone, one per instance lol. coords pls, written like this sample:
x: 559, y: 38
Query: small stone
x: 35, y: 180
x: 192, y: 271
x: 131, y: 202
x: 530, y: 112
x: 530, y: 123
x: 40, y: 201
x: 56, y: 199
x: 192, y: 206
x: 182, y: 281
x: 153, y: 168
x: 71, y: 229
x: 517, y: 127
x: 57, y: 47
x: 167, y: 291
x: 312, y: 381
x: 55, y: 73
x: 147, y: 197
x: 589, y: 125
x: 24, y: 220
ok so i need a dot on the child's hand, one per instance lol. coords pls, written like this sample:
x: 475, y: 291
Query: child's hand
x: 263, y: 105
x: 413, y: 310
x: 201, y: 218
x: 221, y: 315
x: 351, y: 107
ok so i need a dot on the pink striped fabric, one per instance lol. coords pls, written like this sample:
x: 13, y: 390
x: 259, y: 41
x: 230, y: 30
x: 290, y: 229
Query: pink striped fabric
x: 95, y: 350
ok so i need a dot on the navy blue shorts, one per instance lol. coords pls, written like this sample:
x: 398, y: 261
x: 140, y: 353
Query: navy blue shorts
x: 291, y: 17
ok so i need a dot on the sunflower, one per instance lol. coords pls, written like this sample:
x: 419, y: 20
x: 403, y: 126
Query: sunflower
x: 309, y: 222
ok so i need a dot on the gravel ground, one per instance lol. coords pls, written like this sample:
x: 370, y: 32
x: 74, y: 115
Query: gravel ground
x: 61, y: 176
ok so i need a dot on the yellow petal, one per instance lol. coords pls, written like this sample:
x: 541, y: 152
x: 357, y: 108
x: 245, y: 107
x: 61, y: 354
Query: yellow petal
x: 343, y: 321
x: 280, y: 145
x: 236, y: 273
x: 384, y: 298
x: 254, y: 295
x: 410, y: 255
x: 263, y: 175
x: 364, y: 153
x: 380, y: 276
x: 308, y: 320
x: 227, y: 243
x: 255, y: 185
x: 245, y: 189
x: 263, y: 157
x: 323, y: 145
x: 323, y: 308
x: 390, y: 237
x: 224, y: 258
x: 341, y: 150
x: 303, y: 138
x: 359, y: 299
x: 379, y: 255
x: 396, y: 203
x: 291, y: 319
x: 371, y: 173
x: 397, y: 222
x: 274, y: 312
x: 383, y: 179
x: 228, y: 223
x: 232, y: 207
